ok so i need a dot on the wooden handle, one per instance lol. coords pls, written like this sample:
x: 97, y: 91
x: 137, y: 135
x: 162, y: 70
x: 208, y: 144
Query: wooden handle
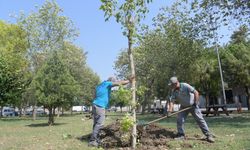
x: 169, y: 115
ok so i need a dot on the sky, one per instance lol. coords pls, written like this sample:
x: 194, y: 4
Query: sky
x: 102, y: 40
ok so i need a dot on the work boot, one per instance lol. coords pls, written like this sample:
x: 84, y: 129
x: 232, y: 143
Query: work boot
x: 93, y: 144
x: 210, y: 139
x: 180, y: 137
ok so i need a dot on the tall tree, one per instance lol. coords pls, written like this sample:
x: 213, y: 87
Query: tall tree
x: 167, y: 50
x: 241, y: 35
x: 75, y: 59
x: 47, y: 30
x: 54, y: 85
x: 236, y: 64
x: 129, y: 14
x: 120, y: 97
x: 227, y: 9
x: 206, y: 74
x: 235, y: 60
x: 13, y: 63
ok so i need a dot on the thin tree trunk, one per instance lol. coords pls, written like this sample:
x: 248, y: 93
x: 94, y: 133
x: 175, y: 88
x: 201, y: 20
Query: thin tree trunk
x: 34, y: 112
x: 145, y: 103
x: 207, y: 101
x: 54, y: 111
x: 58, y: 112
x: 149, y: 107
x: 132, y: 66
x: 147, y: 95
x: 44, y: 110
x: 248, y: 97
x: 62, y: 111
x: 20, y: 111
x: 51, y: 116
x: 121, y: 108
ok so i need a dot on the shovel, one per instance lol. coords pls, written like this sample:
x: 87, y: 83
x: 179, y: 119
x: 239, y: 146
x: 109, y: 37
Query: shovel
x: 150, y: 122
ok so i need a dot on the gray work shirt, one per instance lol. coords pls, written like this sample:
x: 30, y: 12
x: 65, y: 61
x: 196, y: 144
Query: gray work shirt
x: 183, y: 96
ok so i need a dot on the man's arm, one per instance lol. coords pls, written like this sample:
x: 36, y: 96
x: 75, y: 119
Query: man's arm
x: 196, y: 97
x: 195, y: 92
x: 123, y: 82
x: 171, y: 106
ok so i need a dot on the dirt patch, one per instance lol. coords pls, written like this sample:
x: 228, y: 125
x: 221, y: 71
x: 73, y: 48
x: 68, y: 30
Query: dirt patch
x: 151, y: 137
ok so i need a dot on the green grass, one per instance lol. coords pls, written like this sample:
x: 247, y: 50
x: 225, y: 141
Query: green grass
x: 232, y: 132
x: 22, y: 133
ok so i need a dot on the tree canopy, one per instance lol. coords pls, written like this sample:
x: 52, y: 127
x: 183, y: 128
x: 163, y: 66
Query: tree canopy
x: 13, y: 63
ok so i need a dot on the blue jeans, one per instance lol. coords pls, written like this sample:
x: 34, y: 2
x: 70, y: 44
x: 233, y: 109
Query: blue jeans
x: 98, y: 122
x: 196, y: 113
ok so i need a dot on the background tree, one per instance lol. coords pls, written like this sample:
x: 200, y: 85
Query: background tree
x: 75, y: 59
x: 47, y: 30
x: 241, y: 35
x: 167, y: 50
x: 206, y: 75
x: 235, y: 60
x: 13, y: 63
x: 54, y: 85
x: 227, y: 10
x: 120, y: 97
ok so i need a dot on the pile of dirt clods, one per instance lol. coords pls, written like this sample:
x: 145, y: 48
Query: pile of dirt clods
x: 148, y: 137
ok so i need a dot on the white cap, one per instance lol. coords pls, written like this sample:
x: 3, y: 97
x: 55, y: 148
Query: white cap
x: 173, y: 80
x: 112, y: 79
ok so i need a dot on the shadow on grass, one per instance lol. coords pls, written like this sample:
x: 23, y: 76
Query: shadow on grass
x: 75, y: 114
x: 12, y: 119
x: 84, y: 138
x: 118, y: 115
x: 44, y: 124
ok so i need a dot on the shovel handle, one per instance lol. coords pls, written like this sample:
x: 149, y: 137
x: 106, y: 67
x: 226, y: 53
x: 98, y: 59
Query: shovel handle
x: 169, y: 115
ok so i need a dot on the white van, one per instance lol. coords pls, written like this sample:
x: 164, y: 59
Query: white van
x: 7, y: 111
x: 79, y: 109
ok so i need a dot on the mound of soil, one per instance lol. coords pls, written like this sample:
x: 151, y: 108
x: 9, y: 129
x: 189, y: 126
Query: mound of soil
x: 149, y: 137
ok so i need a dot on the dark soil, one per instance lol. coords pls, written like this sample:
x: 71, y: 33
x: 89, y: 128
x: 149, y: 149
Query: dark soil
x: 149, y: 137
x: 152, y: 137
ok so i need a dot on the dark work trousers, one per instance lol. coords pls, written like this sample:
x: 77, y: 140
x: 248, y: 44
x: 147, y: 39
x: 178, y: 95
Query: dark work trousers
x: 196, y: 113
x: 98, y: 122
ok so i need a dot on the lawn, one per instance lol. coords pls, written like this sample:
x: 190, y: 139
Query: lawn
x: 232, y: 132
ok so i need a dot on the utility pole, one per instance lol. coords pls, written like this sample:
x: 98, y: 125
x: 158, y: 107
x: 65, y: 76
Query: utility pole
x: 215, y: 34
x: 221, y: 75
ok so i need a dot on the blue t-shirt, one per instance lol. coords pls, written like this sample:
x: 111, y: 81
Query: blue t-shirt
x: 103, y: 94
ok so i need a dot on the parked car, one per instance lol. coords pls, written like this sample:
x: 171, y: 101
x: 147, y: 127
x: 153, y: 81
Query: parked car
x: 80, y: 109
x: 8, y: 111
x: 114, y: 109
x: 39, y: 111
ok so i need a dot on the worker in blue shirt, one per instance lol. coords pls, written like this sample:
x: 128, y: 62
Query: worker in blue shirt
x: 100, y: 103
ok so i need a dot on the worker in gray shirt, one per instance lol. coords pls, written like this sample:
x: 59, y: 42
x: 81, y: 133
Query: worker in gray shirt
x: 187, y: 96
